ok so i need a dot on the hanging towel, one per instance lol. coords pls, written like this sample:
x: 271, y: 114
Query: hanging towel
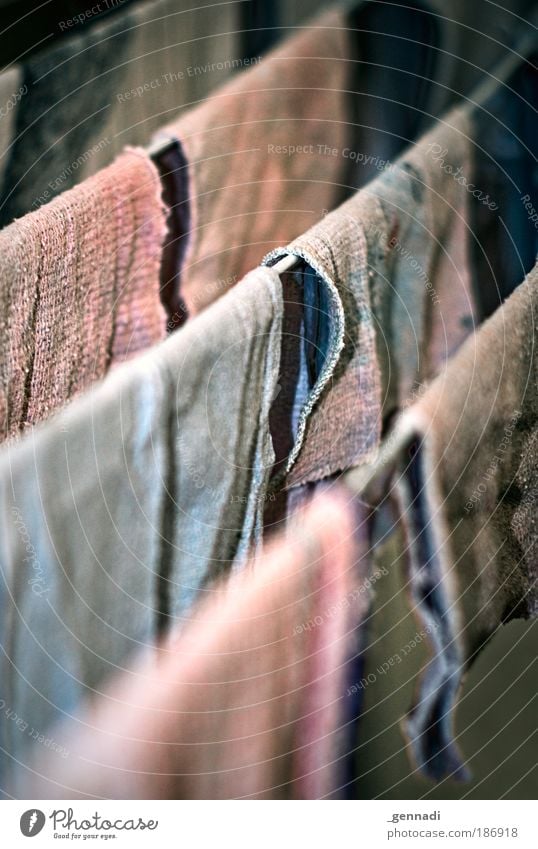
x: 176, y: 57
x: 79, y: 289
x: 107, y: 83
x: 246, y: 703
x: 468, y: 485
x: 465, y: 479
x: 118, y: 512
x: 263, y: 157
x: 386, y: 277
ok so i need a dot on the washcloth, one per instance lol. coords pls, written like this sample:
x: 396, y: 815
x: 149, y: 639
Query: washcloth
x: 263, y: 156
x: 246, y: 703
x: 119, y: 511
x: 386, y: 278
x: 79, y: 291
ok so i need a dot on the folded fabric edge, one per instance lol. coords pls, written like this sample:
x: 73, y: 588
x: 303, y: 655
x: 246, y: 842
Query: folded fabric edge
x: 428, y: 725
x: 336, y: 345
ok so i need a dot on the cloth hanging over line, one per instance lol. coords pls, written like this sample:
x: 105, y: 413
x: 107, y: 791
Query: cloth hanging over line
x: 409, y: 227
x: 263, y: 158
x: 250, y: 517
x: 119, y: 511
x: 248, y: 702
x: 465, y: 472
x: 243, y: 179
x: 79, y: 289
x: 145, y: 434
x: 391, y: 292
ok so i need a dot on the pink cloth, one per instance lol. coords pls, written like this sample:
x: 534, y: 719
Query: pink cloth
x: 264, y: 156
x: 247, y: 702
x: 79, y: 289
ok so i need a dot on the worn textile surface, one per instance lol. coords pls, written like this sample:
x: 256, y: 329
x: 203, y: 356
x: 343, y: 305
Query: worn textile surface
x: 247, y: 702
x: 480, y: 420
x: 495, y: 718
x: 107, y: 84
x: 469, y: 488
x: 264, y: 156
x: 117, y: 512
x: 79, y: 289
x: 393, y: 260
x: 176, y: 57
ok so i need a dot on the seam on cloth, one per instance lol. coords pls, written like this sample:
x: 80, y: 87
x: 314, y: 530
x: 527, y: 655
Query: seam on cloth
x: 118, y: 216
x: 165, y: 558
x: 185, y: 217
x: 31, y: 330
x: 336, y: 345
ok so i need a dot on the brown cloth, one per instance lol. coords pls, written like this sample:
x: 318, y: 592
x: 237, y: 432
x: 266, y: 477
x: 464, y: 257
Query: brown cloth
x: 248, y: 702
x: 79, y: 289
x: 392, y: 264
x: 479, y: 423
x: 264, y: 157
x: 467, y: 483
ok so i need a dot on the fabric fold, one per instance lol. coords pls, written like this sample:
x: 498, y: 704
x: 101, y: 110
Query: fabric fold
x: 247, y: 702
x: 119, y: 513
x: 80, y: 289
x: 465, y: 477
x: 264, y: 157
x: 394, y: 260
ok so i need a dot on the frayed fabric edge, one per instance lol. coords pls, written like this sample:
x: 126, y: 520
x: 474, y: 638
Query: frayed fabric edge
x: 336, y: 345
